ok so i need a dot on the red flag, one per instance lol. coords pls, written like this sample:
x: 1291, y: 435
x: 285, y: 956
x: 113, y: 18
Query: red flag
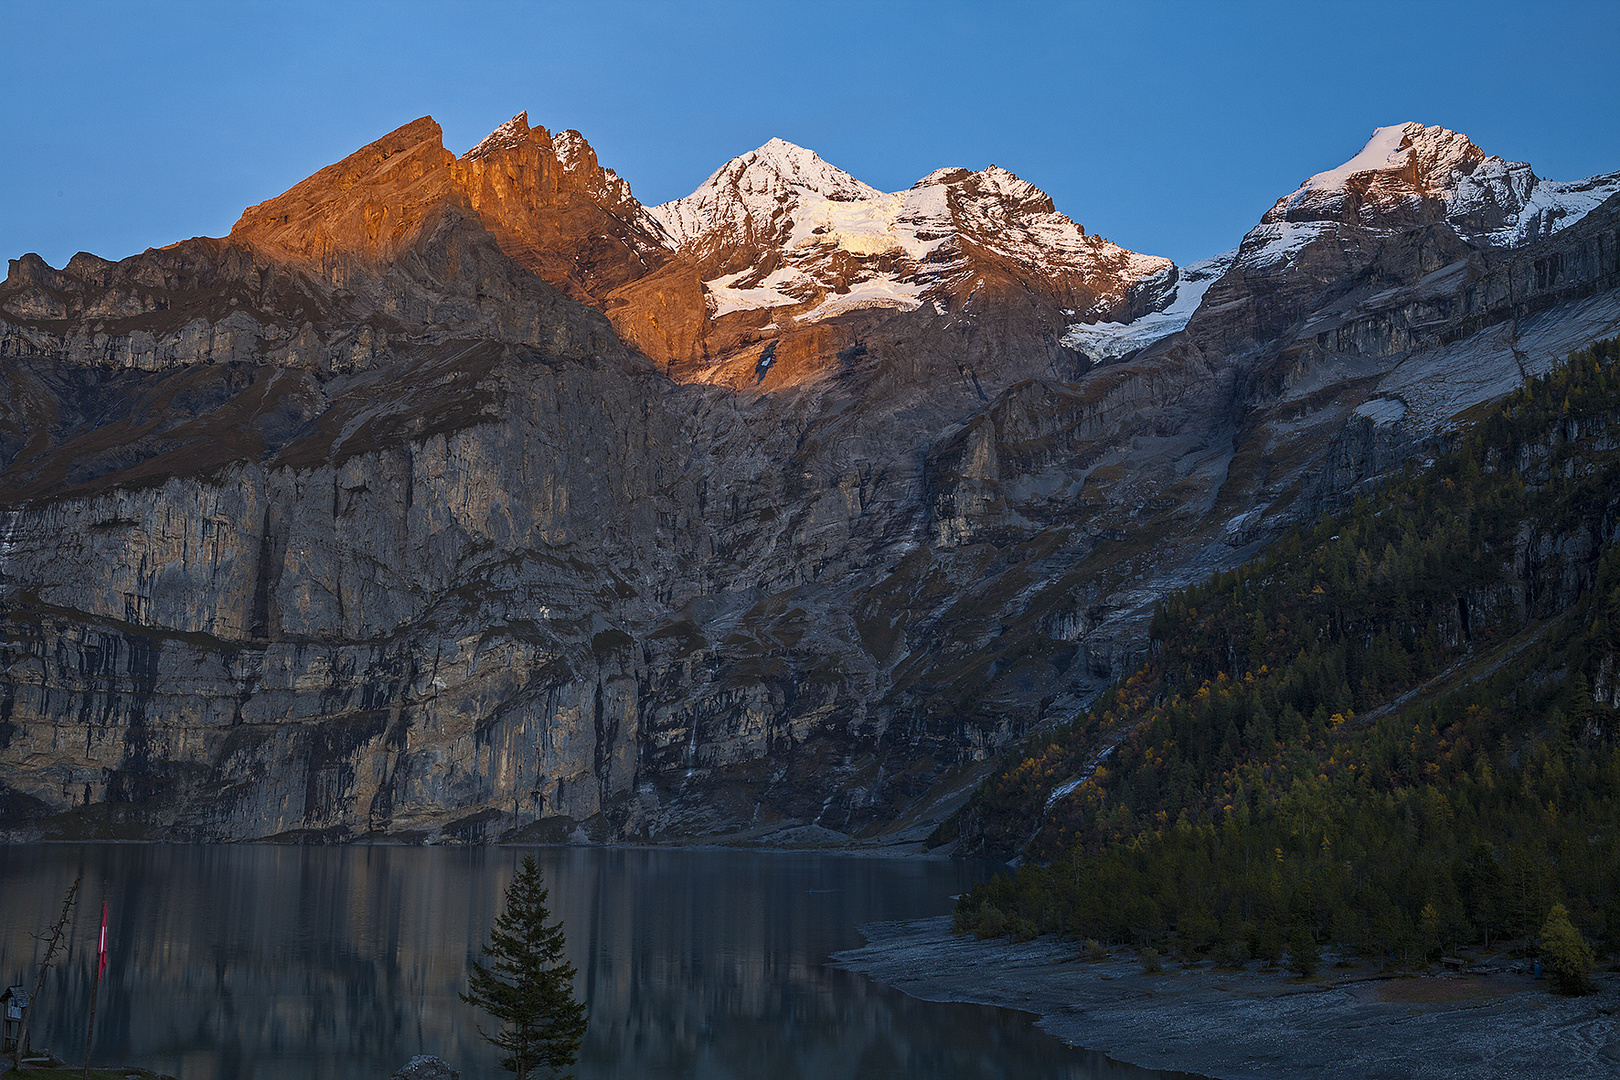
x: 101, y: 950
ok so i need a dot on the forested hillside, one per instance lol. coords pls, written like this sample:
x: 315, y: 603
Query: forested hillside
x: 1396, y: 732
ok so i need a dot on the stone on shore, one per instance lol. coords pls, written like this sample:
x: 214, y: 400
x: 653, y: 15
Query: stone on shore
x: 426, y: 1067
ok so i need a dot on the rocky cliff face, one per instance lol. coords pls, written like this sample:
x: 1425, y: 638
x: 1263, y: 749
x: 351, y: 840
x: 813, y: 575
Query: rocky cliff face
x: 464, y: 498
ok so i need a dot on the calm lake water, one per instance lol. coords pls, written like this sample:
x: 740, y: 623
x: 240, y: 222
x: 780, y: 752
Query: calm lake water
x: 249, y: 962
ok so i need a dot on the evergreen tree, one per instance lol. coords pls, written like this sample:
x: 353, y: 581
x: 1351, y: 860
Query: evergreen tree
x: 1303, y: 955
x: 1611, y: 930
x: 1569, y: 958
x: 528, y: 986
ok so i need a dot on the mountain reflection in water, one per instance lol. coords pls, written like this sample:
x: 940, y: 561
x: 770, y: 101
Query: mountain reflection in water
x: 274, y: 963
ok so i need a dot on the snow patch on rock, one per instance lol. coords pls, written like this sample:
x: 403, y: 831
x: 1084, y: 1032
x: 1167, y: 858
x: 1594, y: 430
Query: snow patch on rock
x: 1110, y: 340
x: 1554, y: 205
x: 1382, y: 411
x: 878, y: 291
x: 571, y: 149
x: 724, y: 297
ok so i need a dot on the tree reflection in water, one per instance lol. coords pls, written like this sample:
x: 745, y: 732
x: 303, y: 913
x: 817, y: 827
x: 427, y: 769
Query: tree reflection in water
x: 257, y: 962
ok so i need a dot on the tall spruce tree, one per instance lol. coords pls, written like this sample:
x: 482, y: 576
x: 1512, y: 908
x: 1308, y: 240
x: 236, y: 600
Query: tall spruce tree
x: 528, y: 987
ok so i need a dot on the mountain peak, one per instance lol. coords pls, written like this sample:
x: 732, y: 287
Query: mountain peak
x: 325, y: 216
x: 1385, y: 150
x: 779, y: 229
x: 512, y: 133
x: 1411, y: 172
x: 949, y: 174
x: 795, y: 166
x: 776, y: 148
x: 1430, y: 158
x: 1409, y: 176
x: 748, y: 199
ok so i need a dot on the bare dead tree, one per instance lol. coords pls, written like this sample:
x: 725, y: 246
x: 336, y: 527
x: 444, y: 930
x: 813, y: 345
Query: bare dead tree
x: 53, y: 944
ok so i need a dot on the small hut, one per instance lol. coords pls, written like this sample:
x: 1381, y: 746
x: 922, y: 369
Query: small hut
x: 13, y: 1004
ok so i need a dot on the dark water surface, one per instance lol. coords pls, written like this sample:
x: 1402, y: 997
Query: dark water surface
x: 299, y: 963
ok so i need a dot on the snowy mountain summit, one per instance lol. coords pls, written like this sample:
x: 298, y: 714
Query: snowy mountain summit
x: 780, y: 228
x: 750, y: 199
x: 1409, y: 176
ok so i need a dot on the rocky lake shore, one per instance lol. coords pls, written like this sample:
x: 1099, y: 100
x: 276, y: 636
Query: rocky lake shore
x: 1255, y: 1025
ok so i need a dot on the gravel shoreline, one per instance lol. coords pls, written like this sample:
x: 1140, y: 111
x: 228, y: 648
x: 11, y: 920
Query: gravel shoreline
x: 1250, y: 1025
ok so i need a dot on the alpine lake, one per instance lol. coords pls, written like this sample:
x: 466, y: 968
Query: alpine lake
x: 266, y: 962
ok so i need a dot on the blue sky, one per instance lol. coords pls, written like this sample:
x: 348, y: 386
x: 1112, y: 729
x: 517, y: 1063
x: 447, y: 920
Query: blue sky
x: 1166, y: 127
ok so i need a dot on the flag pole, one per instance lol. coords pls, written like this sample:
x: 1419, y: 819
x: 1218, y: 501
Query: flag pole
x: 101, y: 965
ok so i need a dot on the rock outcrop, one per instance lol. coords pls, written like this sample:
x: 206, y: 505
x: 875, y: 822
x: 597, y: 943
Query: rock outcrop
x: 458, y: 499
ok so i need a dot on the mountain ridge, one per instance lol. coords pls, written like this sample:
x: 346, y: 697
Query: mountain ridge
x: 436, y: 504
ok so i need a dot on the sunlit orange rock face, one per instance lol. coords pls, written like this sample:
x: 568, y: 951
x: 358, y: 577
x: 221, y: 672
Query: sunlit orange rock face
x: 545, y: 200
x: 556, y: 211
x: 367, y: 208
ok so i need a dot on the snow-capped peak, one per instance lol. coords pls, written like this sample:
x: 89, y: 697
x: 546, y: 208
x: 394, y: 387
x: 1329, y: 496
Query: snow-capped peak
x: 1385, y: 150
x: 748, y: 198
x: 1397, y: 163
x: 806, y: 170
x: 1409, y: 175
x: 942, y: 176
x: 778, y: 227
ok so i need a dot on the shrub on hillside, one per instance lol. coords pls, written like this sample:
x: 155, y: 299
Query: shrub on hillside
x: 1566, y: 954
